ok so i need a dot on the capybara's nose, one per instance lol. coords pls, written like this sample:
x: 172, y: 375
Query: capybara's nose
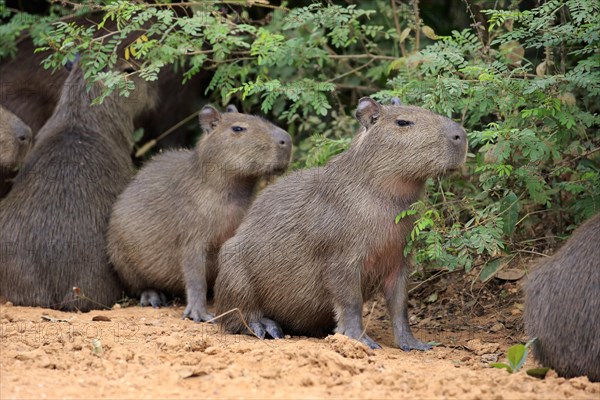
x: 457, y: 135
x: 282, y: 138
x: 23, y: 133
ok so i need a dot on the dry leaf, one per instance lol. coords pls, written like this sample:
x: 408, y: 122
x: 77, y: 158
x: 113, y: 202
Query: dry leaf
x: 429, y: 32
x: 404, y: 34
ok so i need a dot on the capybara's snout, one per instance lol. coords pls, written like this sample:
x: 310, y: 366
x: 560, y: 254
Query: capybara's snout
x: 283, y: 146
x: 457, y: 144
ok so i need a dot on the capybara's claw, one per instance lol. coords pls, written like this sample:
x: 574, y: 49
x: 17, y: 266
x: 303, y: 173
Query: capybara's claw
x: 154, y: 298
x: 265, y: 325
x: 197, y: 315
x: 373, y: 345
x: 258, y: 329
x: 272, y: 328
x: 410, y: 343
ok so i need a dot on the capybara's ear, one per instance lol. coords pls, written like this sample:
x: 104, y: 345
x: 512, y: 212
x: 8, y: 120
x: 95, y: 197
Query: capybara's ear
x: 209, y: 117
x: 367, y: 112
x: 396, y: 101
x: 231, y: 109
x: 71, y: 63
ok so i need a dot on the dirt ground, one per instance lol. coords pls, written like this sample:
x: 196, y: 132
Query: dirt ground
x: 134, y: 353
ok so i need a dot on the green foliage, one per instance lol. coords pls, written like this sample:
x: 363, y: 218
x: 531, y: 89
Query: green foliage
x: 516, y: 356
x: 525, y: 85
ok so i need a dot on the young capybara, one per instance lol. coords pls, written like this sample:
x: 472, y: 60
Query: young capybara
x: 318, y: 243
x: 69, y: 182
x: 168, y: 225
x: 15, y: 142
x: 562, y: 306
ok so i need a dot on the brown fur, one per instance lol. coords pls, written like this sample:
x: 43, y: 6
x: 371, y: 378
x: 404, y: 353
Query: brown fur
x: 318, y: 243
x: 562, y: 307
x: 69, y: 183
x: 15, y: 142
x: 31, y: 92
x: 168, y: 225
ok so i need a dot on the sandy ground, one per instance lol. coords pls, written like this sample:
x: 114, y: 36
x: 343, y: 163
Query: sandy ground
x: 134, y: 353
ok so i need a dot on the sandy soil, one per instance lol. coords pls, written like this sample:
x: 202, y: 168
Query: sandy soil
x: 135, y: 352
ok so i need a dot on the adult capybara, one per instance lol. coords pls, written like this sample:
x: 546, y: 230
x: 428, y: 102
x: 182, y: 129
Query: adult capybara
x: 69, y: 182
x: 168, y: 225
x: 319, y: 242
x: 31, y: 92
x: 562, y: 307
x: 15, y: 142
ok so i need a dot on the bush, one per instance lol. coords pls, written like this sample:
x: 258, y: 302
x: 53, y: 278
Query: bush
x: 523, y: 82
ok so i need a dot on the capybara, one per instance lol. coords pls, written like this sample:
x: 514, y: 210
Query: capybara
x: 31, y: 92
x: 69, y: 182
x: 168, y: 225
x: 318, y: 243
x: 562, y: 306
x: 15, y: 142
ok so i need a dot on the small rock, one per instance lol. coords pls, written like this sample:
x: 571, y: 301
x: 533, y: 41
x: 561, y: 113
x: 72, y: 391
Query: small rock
x: 497, y: 327
x: 489, y: 358
x: 479, y: 348
x: 211, y: 350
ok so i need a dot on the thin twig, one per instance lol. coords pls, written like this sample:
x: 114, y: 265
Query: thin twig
x: 398, y: 28
x: 417, y: 23
x: 368, y: 320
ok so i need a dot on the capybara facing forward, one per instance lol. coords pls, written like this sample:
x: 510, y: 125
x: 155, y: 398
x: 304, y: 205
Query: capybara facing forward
x: 53, y: 221
x: 318, y: 243
x: 15, y: 142
x: 562, y: 307
x: 168, y: 225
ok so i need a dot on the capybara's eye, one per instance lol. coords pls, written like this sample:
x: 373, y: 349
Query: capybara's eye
x: 238, y: 128
x: 402, y: 122
x: 129, y: 70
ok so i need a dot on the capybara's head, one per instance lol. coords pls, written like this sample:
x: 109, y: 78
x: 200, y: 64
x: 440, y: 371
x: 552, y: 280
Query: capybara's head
x: 243, y: 145
x: 143, y: 98
x: 407, y: 142
x: 15, y: 139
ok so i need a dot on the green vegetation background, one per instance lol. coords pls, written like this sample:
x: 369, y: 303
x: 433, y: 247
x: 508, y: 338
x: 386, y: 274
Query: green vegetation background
x: 523, y: 78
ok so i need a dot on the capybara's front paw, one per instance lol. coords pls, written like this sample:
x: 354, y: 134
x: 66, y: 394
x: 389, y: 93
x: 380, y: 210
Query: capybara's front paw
x: 154, y: 298
x: 265, y: 325
x: 197, y: 314
x: 408, y: 343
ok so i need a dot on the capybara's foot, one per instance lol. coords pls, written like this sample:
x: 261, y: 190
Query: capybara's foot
x: 197, y: 314
x: 408, y: 342
x: 154, y: 298
x: 264, y: 326
x: 364, y: 339
x: 357, y: 333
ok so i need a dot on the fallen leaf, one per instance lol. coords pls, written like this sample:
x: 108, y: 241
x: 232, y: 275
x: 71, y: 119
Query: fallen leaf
x: 511, y: 274
x: 102, y: 318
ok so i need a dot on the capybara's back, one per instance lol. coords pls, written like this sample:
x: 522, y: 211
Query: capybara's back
x: 15, y: 142
x: 562, y: 306
x: 32, y: 92
x: 52, y: 223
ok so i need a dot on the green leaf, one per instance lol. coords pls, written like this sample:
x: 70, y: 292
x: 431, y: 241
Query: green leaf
x: 516, y: 355
x: 539, y: 372
x: 502, y: 365
x: 489, y: 270
x: 509, y: 208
